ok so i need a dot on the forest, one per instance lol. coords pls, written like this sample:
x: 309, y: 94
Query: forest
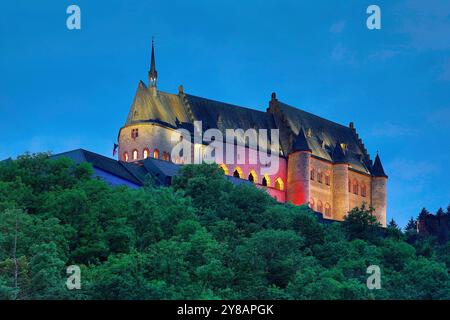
x: 200, y: 238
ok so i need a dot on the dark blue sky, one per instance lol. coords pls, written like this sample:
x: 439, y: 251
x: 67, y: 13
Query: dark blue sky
x: 62, y: 89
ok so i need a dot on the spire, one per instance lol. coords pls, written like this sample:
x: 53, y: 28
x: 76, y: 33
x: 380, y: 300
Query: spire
x: 152, y: 74
x: 300, y: 142
x: 338, y: 155
x: 377, y: 168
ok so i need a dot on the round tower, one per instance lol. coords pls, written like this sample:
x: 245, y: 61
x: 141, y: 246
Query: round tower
x: 379, y: 182
x: 340, y: 183
x: 297, y: 191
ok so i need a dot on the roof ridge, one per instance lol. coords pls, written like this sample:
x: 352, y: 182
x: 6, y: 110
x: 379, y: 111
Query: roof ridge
x: 227, y: 103
x: 314, y: 115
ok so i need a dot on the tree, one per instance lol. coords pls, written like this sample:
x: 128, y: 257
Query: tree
x: 393, y: 230
x: 361, y: 223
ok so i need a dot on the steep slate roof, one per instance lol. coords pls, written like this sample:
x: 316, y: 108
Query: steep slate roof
x: 101, y: 162
x: 377, y: 168
x: 300, y: 142
x: 164, y: 107
x: 338, y: 155
x: 161, y: 171
x: 180, y: 110
x: 324, y: 135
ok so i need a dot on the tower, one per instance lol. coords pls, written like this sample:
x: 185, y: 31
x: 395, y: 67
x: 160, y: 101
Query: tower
x: 152, y: 73
x: 299, y: 160
x: 379, y: 182
x: 340, y: 183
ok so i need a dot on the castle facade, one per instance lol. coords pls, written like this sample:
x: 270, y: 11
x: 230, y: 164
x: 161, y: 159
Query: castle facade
x: 321, y: 163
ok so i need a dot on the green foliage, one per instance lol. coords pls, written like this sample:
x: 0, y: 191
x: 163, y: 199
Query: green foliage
x: 202, y: 238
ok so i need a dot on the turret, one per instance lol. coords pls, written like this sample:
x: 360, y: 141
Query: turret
x: 340, y: 183
x: 379, y: 182
x: 152, y: 73
x: 298, y: 171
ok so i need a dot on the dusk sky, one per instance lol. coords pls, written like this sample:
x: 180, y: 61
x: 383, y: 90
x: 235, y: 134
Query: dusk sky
x: 62, y: 89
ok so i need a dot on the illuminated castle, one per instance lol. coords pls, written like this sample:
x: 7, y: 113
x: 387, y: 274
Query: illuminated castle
x: 321, y: 163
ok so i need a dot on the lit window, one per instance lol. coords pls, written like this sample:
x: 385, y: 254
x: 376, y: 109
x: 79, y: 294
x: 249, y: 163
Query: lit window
x: 279, y: 184
x: 355, y: 187
x: 266, y: 181
x: 166, y: 156
x: 125, y: 156
x: 319, y: 177
x: 145, y: 153
x: 224, y: 169
x: 363, y: 190
x: 237, y: 173
x: 311, y: 203
x: 319, y: 206
x: 156, y: 154
x: 135, y: 154
x: 252, y: 177
x: 327, y: 209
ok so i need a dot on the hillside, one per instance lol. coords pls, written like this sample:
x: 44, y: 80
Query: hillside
x: 202, y: 238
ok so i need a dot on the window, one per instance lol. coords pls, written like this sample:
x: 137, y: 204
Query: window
x: 156, y: 154
x: 363, y: 190
x: 125, y: 156
x: 145, y: 153
x: 327, y: 209
x: 319, y: 177
x: 349, y: 185
x: 279, y: 184
x: 252, y: 177
x: 355, y: 187
x: 320, y: 206
x: 224, y: 169
x: 266, y: 181
x: 237, y: 172
x: 327, y: 179
x: 134, y: 133
x: 135, y: 154
x: 166, y: 156
x: 311, y: 204
x: 312, y: 174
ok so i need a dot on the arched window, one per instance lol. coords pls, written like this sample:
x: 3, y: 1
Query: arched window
x: 349, y: 185
x: 355, y: 186
x: 166, y: 156
x: 145, y: 153
x: 237, y: 173
x: 327, y: 179
x: 320, y: 206
x: 363, y: 190
x: 327, y: 209
x: 311, y: 203
x: 253, y: 177
x: 125, y: 156
x: 156, y: 154
x: 279, y: 184
x: 265, y: 181
x: 312, y: 174
x: 319, y: 177
x: 224, y: 169
x: 135, y: 154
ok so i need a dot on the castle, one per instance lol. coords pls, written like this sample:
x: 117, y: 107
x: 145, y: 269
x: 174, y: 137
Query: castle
x: 321, y: 163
